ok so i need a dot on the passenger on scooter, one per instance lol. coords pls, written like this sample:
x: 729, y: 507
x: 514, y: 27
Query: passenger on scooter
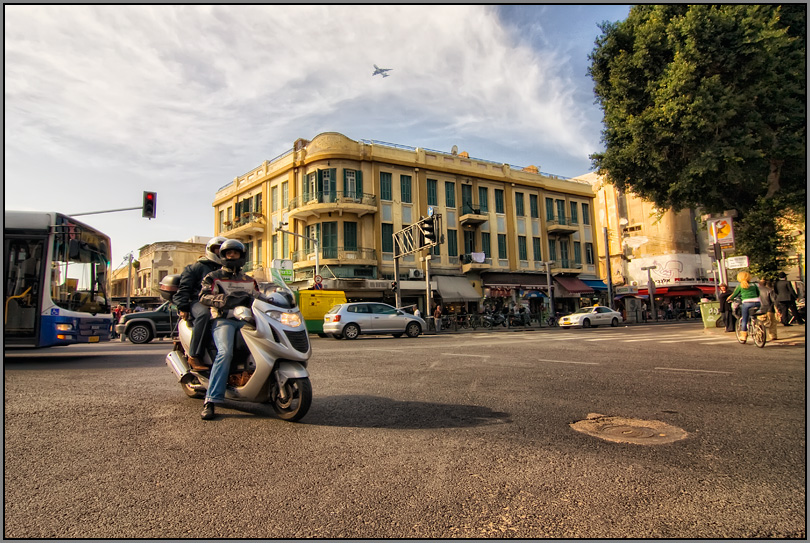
x: 224, y: 290
x: 188, y: 303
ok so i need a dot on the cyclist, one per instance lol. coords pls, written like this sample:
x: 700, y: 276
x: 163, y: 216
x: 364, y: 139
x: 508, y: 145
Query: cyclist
x: 749, y: 294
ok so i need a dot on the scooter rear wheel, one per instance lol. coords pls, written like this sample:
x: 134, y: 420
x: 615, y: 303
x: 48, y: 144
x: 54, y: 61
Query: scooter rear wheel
x: 299, y: 399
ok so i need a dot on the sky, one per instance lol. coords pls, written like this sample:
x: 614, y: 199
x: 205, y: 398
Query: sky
x: 105, y: 102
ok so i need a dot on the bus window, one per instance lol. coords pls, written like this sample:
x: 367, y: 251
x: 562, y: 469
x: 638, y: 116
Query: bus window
x: 79, y: 274
x: 23, y: 269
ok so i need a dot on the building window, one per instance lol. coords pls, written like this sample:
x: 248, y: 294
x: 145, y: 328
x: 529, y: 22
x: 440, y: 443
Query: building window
x: 274, y: 199
x: 586, y: 214
x: 577, y: 252
x: 552, y: 249
x: 483, y: 200
x: 432, y: 192
x: 469, y: 242
x: 405, y: 188
x: 485, y: 244
x: 350, y: 184
x: 449, y: 194
x: 538, y: 252
x: 589, y: 253
x: 533, y: 206
x: 519, y: 211
x: 387, y: 238
x: 385, y: 186
x: 523, y: 253
x: 221, y: 219
x: 285, y: 194
x: 257, y: 203
x: 502, y: 246
x: 574, y: 218
x: 350, y: 236
x: 452, y: 242
x: 549, y: 209
x: 499, y: 201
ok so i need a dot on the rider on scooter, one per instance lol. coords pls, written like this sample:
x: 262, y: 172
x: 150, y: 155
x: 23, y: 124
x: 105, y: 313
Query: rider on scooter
x: 222, y: 291
x: 188, y: 303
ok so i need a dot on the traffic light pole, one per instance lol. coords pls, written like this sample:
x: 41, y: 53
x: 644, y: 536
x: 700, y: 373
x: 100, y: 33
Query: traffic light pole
x: 106, y: 211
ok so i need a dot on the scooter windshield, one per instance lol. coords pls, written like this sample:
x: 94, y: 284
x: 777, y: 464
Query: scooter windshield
x: 276, y: 291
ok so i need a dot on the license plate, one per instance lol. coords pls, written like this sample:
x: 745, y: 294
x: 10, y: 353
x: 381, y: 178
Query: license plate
x: 92, y: 339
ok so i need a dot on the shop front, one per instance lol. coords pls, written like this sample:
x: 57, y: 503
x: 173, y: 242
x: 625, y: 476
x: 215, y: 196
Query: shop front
x: 571, y: 293
x: 503, y: 291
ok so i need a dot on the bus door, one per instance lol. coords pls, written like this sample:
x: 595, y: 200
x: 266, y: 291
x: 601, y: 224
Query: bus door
x: 23, y: 288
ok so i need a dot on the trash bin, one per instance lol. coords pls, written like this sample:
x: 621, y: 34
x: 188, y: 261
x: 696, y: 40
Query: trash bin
x: 710, y: 312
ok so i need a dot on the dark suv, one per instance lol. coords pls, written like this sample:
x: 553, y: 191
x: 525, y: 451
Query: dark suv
x: 144, y: 326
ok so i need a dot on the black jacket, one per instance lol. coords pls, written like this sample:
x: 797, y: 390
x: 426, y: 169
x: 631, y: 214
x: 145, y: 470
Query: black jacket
x: 188, y: 292
x: 784, y: 291
x: 724, y: 305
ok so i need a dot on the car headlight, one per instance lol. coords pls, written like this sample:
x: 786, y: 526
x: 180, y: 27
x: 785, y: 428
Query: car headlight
x: 287, y: 319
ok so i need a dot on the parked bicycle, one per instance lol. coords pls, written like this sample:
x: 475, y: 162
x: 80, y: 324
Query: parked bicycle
x: 756, y: 326
x: 552, y: 320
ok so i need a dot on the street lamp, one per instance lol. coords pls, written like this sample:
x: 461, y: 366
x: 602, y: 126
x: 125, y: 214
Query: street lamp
x: 550, y: 286
x: 651, y: 289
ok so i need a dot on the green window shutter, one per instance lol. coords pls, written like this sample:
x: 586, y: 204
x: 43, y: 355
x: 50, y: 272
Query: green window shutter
x: 359, y: 183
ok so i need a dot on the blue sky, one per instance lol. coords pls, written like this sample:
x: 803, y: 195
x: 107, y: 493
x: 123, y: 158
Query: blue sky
x: 104, y: 102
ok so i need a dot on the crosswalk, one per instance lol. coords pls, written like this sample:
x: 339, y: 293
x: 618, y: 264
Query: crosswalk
x: 621, y: 335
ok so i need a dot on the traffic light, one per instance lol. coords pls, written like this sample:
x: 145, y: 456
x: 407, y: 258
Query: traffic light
x: 394, y: 286
x: 429, y: 228
x: 716, y: 252
x: 149, y: 205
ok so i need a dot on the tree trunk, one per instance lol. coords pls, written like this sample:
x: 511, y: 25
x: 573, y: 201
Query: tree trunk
x: 773, y: 177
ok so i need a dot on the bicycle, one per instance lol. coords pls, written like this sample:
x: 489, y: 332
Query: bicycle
x: 552, y: 321
x: 756, y: 327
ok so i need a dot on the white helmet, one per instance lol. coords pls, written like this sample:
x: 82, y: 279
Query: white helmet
x: 212, y: 249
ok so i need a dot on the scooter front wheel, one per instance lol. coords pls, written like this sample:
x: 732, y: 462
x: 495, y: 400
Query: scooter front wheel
x: 299, y: 398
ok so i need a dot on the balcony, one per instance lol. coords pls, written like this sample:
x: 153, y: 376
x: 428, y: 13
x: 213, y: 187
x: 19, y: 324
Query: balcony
x: 245, y: 226
x: 566, y: 266
x: 474, y: 262
x: 320, y: 203
x: 334, y: 256
x: 472, y: 216
x: 562, y: 225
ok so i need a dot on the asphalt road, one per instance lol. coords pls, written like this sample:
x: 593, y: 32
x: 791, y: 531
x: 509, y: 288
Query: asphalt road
x: 464, y: 435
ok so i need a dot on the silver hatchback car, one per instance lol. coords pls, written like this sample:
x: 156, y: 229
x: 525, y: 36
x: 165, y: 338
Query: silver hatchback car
x: 352, y: 319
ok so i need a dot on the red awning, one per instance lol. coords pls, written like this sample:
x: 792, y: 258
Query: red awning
x: 669, y: 291
x: 573, y: 285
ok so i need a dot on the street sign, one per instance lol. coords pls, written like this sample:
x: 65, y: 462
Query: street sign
x: 287, y: 275
x: 723, y: 231
x: 736, y: 262
x: 318, y: 279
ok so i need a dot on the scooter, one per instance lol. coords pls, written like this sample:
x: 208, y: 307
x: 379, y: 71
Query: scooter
x: 270, y: 356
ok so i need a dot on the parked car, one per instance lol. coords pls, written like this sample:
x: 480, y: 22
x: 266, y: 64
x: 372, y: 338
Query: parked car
x: 353, y: 319
x: 591, y: 316
x: 144, y: 326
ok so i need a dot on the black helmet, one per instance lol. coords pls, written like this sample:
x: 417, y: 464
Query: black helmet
x: 232, y: 264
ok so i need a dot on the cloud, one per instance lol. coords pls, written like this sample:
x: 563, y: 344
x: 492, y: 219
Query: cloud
x: 175, y: 87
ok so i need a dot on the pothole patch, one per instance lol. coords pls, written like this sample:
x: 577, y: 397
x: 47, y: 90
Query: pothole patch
x: 623, y: 430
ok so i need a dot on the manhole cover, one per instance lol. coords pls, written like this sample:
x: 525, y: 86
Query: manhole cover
x: 622, y: 430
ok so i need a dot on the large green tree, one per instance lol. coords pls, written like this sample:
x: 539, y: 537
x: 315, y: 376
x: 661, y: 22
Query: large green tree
x: 704, y: 107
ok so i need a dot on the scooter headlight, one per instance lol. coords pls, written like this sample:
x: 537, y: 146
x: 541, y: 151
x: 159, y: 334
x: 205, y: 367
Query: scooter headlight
x: 292, y: 320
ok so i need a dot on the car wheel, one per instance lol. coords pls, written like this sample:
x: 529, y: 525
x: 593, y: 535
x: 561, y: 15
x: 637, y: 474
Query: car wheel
x: 615, y: 322
x: 586, y: 323
x: 140, y: 333
x: 351, y: 331
x: 413, y: 329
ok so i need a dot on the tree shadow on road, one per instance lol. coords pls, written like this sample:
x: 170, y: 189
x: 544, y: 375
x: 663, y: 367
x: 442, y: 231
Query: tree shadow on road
x: 357, y: 411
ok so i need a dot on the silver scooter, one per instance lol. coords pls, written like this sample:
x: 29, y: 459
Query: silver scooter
x: 270, y: 356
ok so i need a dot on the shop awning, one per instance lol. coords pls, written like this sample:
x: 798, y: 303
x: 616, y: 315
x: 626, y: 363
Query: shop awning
x: 455, y: 289
x: 675, y: 291
x: 525, y: 280
x: 596, y: 284
x: 574, y: 285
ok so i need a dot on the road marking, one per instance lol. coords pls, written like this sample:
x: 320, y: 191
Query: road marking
x: 567, y: 362
x: 682, y: 340
x: 695, y: 371
x: 463, y: 354
x: 44, y: 354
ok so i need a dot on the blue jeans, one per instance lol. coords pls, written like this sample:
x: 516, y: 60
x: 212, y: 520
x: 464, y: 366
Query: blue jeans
x: 224, y: 331
x: 744, y: 319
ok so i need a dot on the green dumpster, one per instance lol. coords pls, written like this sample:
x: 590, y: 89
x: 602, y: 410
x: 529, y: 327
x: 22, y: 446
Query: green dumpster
x: 710, y: 311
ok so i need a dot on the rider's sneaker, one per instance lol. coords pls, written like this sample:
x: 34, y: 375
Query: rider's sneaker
x: 208, y: 412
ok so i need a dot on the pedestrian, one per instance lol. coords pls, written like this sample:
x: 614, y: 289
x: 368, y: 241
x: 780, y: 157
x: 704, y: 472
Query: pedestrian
x: 437, y: 317
x: 786, y: 300
x: 417, y: 313
x: 767, y: 308
x: 749, y: 294
x: 725, y: 307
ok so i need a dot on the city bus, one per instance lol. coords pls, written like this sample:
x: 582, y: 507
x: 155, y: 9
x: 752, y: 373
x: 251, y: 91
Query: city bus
x: 56, y: 281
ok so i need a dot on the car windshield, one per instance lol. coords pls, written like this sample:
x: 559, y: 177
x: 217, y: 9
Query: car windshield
x: 584, y: 310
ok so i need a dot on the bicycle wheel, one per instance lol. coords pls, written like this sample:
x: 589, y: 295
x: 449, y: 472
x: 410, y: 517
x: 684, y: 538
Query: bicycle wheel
x: 758, y: 334
x: 738, y: 331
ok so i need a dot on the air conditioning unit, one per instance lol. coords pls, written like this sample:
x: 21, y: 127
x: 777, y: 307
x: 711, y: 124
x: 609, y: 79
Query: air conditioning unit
x: 416, y: 274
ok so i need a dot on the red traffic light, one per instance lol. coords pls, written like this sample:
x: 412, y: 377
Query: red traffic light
x: 149, y: 205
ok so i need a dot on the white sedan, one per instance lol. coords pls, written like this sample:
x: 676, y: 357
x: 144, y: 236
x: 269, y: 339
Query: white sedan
x: 591, y: 316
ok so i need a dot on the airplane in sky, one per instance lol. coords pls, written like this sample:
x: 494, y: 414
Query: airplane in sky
x: 381, y: 71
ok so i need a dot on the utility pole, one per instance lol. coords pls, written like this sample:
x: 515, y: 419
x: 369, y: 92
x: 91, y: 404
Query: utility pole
x: 609, y: 279
x: 651, y: 289
x: 313, y: 240
x: 129, y: 279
